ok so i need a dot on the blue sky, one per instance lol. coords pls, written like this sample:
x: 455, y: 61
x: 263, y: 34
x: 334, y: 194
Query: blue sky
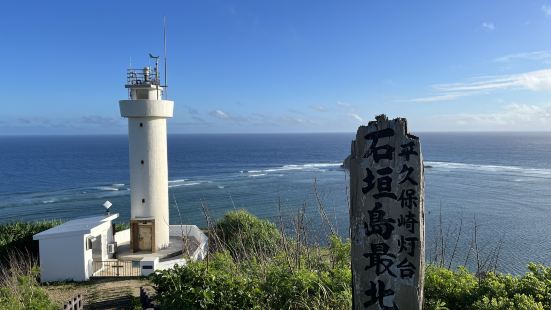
x: 280, y: 66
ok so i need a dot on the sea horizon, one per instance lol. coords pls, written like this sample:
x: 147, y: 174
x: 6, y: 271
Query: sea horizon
x: 282, y: 133
x: 467, y: 175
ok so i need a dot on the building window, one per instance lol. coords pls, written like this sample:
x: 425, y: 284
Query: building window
x: 143, y: 200
x: 141, y: 124
x: 89, y: 243
x: 142, y: 162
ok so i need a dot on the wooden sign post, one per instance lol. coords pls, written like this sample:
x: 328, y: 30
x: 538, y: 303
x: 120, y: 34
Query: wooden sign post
x: 387, y: 220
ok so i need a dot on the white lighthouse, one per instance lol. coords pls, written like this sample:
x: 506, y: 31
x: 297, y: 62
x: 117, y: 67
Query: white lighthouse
x: 91, y: 247
x: 147, y: 138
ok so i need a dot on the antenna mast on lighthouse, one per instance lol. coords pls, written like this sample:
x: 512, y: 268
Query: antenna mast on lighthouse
x: 164, y: 47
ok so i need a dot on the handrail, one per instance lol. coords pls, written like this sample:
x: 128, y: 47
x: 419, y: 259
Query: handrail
x: 139, y: 76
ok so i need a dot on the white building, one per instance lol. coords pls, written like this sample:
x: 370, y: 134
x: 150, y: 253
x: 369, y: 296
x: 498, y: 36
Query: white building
x: 67, y: 251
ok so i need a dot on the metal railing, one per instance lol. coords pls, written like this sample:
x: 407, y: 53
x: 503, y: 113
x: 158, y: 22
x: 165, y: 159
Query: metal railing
x: 142, y: 76
x: 116, y: 268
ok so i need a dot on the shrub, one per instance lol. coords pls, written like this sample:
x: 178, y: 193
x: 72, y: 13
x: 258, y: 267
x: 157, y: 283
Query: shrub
x: 121, y: 226
x: 18, y: 237
x: 226, y: 284
x: 253, y: 267
x: 222, y: 286
x: 447, y: 289
x: 307, y: 289
x: 244, y: 235
x: 339, y: 251
x: 295, y: 275
x: 454, y: 288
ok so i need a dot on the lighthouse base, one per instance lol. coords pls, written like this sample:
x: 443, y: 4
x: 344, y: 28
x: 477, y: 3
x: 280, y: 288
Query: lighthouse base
x: 185, y: 241
x: 177, y: 247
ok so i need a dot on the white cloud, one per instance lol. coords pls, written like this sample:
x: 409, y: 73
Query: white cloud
x: 220, y: 114
x: 285, y: 119
x: 101, y: 120
x: 319, y: 108
x: 544, y: 56
x: 85, y: 122
x: 343, y: 104
x: 488, y: 26
x: 437, y: 98
x: 546, y: 10
x: 539, y: 80
x: 192, y: 111
x: 510, y: 117
x: 356, y: 117
x: 259, y: 119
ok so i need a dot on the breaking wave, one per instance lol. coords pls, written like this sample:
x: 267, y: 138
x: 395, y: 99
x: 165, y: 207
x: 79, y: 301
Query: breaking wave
x: 294, y: 167
x: 106, y: 188
x: 488, y: 168
x: 182, y: 182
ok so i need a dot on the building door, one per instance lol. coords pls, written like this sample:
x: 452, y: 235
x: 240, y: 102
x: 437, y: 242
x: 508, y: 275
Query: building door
x: 144, y: 238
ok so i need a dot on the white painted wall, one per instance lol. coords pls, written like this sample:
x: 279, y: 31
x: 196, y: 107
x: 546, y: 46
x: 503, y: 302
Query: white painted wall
x: 146, y: 108
x: 149, y: 181
x: 63, y: 258
x: 122, y: 236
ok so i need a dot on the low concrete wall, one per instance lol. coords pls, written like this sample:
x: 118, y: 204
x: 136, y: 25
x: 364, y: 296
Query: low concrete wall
x: 122, y: 236
x: 192, y: 231
x: 170, y: 263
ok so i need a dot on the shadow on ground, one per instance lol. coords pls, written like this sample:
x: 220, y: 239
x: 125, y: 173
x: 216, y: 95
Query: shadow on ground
x: 106, y: 293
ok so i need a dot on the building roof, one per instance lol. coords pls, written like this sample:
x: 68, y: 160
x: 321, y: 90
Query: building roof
x: 77, y: 226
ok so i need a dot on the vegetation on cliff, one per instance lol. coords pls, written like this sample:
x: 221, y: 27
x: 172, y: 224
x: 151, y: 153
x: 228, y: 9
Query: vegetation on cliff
x: 254, y: 265
x: 18, y: 237
x: 19, y: 272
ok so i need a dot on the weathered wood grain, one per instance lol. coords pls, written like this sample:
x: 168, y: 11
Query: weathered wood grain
x: 387, y: 220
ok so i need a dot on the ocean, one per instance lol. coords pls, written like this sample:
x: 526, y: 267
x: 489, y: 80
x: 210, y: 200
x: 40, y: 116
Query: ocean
x: 500, y: 181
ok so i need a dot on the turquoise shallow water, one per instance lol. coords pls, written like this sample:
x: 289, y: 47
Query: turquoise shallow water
x: 502, y: 179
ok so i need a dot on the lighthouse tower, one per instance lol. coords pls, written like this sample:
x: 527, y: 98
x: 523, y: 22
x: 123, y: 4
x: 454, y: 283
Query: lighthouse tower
x: 147, y: 113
